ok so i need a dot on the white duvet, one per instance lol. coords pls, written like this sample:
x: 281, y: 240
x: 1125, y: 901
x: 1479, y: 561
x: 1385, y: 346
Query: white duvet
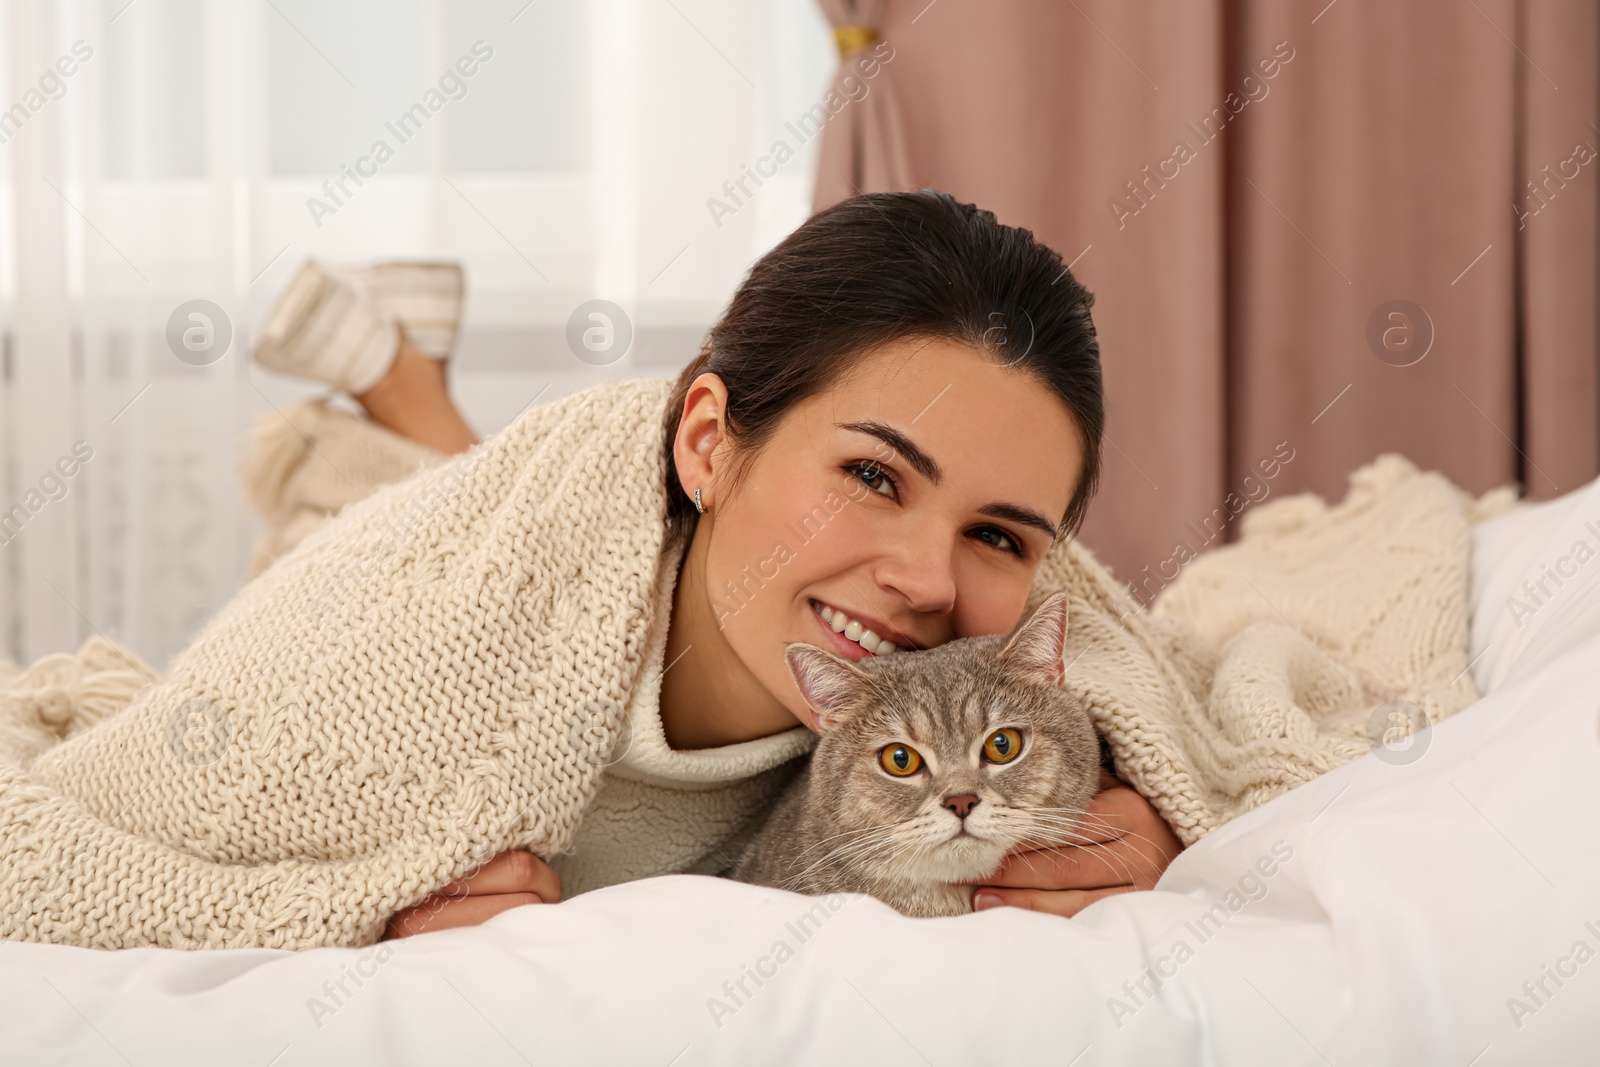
x: 1440, y: 906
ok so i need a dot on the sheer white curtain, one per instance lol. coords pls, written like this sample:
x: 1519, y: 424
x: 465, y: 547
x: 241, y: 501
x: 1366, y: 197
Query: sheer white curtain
x: 156, y: 152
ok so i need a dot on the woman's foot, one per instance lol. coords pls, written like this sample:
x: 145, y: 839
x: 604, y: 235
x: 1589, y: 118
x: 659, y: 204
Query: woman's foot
x: 325, y: 328
x: 424, y: 296
x: 413, y: 400
x: 382, y: 333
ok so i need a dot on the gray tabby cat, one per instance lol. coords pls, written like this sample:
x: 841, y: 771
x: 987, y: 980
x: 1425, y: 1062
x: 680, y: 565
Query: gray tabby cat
x: 931, y: 766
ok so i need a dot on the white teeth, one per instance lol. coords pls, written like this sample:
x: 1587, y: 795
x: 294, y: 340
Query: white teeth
x: 839, y: 622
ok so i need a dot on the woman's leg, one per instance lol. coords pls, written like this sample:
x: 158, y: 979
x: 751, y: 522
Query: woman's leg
x: 413, y: 400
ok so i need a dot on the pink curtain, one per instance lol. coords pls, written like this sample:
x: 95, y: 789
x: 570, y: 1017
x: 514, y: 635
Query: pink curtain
x: 864, y: 145
x: 1315, y: 231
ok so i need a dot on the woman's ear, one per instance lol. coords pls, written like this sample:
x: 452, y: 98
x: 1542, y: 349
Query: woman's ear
x: 701, y: 432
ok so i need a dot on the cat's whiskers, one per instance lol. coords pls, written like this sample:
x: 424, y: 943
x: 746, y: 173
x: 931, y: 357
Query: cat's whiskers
x: 917, y: 841
x: 939, y: 833
x: 872, y: 839
x: 1074, y: 830
x: 1017, y: 822
x: 1030, y: 858
x: 1036, y: 834
x: 1086, y: 818
x: 923, y: 861
x: 861, y: 848
x: 1051, y: 828
x: 1117, y: 863
x: 1122, y: 862
x: 923, y: 830
x: 1096, y: 822
x: 847, y: 833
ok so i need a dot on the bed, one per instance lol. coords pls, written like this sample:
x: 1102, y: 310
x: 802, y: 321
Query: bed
x: 1439, y: 905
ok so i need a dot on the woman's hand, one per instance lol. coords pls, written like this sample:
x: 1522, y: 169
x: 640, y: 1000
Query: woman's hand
x: 1130, y: 845
x: 508, y: 881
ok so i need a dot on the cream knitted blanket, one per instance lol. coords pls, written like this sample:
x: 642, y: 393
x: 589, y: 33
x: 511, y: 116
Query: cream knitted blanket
x: 1268, y: 662
x: 402, y: 694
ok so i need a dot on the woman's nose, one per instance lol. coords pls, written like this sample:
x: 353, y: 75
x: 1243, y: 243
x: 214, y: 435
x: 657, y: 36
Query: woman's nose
x: 920, y: 569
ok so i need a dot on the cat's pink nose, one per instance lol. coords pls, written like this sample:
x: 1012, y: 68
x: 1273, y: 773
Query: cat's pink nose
x: 962, y: 804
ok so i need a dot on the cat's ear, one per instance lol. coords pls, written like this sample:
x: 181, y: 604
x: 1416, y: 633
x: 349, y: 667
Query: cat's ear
x: 1037, y: 647
x: 829, y: 683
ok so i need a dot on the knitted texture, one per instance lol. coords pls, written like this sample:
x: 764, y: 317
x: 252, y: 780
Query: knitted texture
x: 61, y: 694
x: 1265, y: 663
x: 657, y: 810
x: 390, y: 703
x: 299, y: 469
x: 403, y: 693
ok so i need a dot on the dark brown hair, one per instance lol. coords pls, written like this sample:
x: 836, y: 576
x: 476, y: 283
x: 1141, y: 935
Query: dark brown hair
x: 885, y: 267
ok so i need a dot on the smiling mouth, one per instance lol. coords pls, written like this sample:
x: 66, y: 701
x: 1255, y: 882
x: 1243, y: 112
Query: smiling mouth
x: 855, y: 634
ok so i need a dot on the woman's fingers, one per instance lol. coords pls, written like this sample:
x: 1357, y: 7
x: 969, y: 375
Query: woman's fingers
x: 1117, y: 809
x: 1081, y: 866
x: 517, y: 871
x: 508, y: 881
x: 1063, y: 902
x: 443, y: 913
x: 1121, y: 841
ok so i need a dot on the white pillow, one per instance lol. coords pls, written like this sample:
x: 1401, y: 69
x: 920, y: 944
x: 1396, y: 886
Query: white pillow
x: 1535, y: 585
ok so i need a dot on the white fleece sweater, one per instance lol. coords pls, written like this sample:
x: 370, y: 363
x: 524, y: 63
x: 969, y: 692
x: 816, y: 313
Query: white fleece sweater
x: 661, y: 810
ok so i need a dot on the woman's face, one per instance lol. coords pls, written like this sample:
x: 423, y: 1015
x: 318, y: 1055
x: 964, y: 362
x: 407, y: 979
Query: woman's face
x: 917, y: 497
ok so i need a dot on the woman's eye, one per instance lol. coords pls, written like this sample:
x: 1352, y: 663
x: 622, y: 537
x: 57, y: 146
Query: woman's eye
x: 901, y: 761
x: 873, y: 477
x: 998, y: 538
x: 1003, y: 745
x: 881, y: 482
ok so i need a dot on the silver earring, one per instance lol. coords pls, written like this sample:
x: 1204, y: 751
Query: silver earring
x: 699, y: 507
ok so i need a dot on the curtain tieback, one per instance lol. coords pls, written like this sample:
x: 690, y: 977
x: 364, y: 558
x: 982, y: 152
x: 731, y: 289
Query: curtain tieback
x: 853, y: 39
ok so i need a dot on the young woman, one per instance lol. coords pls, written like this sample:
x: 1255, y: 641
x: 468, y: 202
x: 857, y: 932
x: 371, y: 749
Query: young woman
x: 968, y: 409
x: 895, y: 419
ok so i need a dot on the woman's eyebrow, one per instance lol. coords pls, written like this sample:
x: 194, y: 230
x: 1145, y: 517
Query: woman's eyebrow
x: 1022, y: 516
x: 929, y: 469
x: 900, y: 443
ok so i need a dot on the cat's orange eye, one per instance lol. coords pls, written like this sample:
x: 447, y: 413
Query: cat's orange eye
x: 1003, y: 745
x: 902, y: 761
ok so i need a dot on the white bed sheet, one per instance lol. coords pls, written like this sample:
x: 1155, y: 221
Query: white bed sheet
x: 1406, y: 907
